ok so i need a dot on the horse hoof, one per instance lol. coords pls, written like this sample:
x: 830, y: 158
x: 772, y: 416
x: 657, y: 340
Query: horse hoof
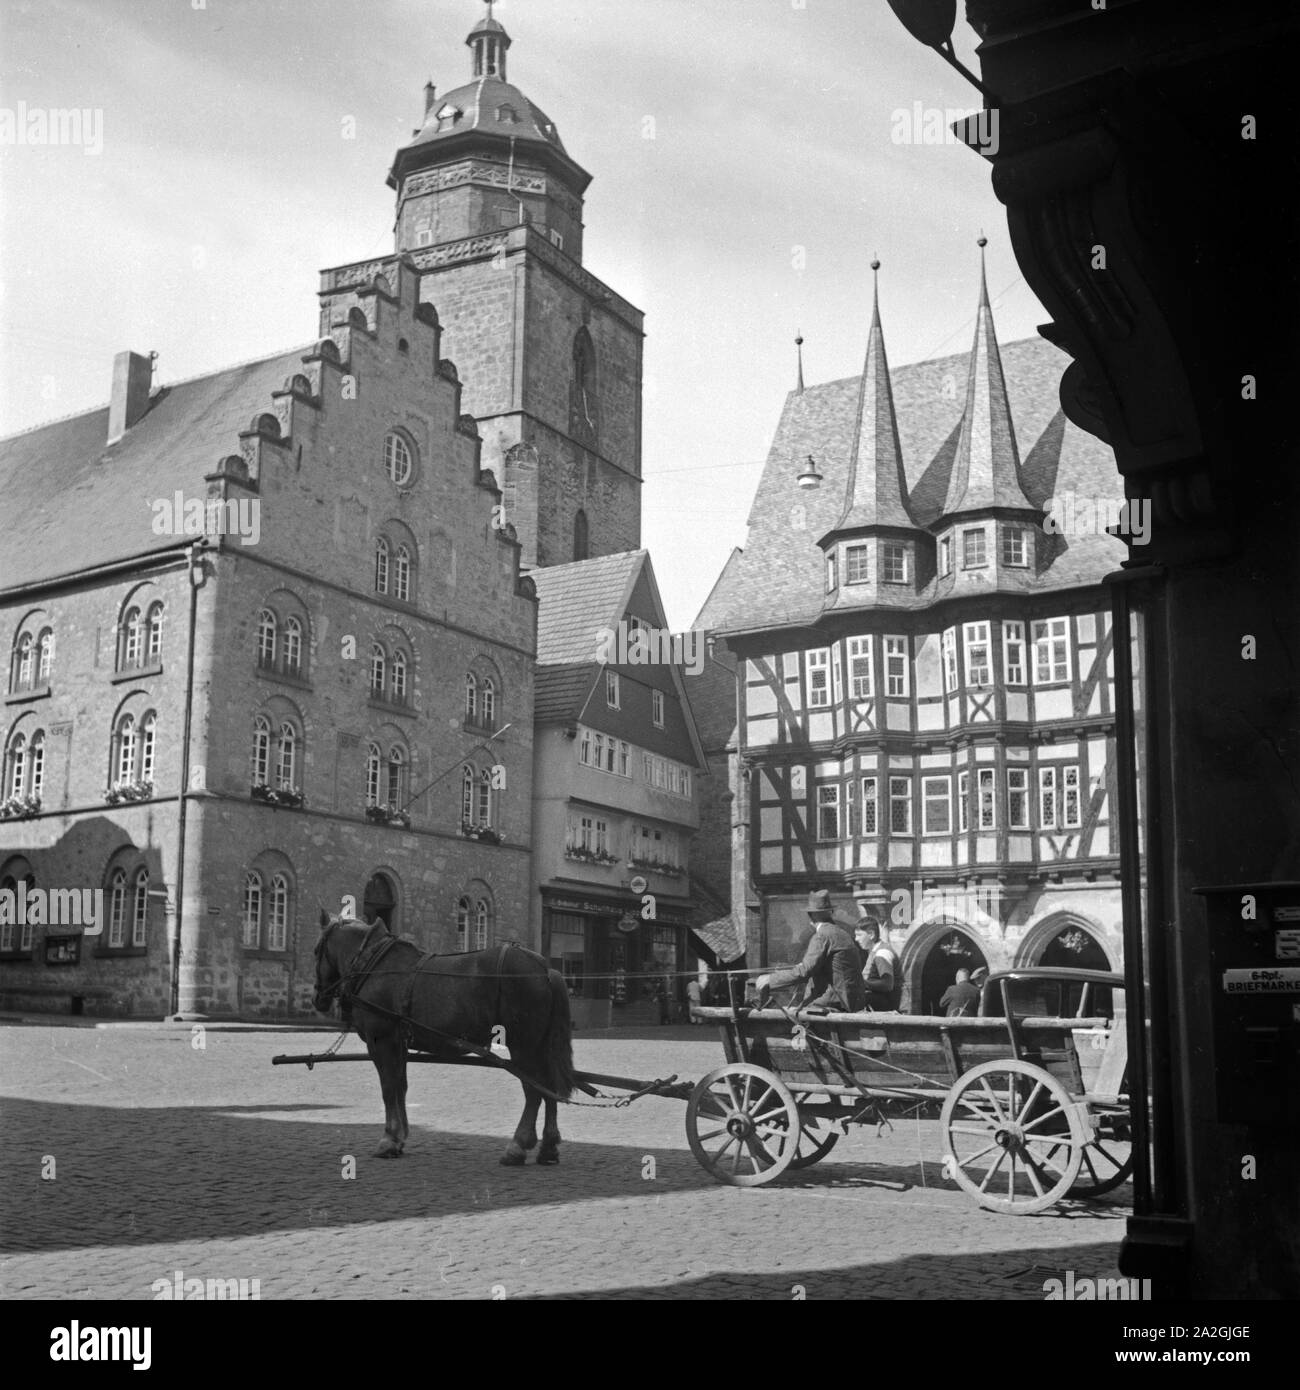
x: 512, y: 1160
x: 546, y: 1156
x: 388, y: 1150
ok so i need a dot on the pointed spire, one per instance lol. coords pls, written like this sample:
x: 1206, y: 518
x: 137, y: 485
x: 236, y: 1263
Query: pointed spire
x: 798, y: 344
x: 986, y: 467
x: 877, y: 489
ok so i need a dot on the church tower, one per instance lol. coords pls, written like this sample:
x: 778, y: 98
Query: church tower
x: 490, y: 207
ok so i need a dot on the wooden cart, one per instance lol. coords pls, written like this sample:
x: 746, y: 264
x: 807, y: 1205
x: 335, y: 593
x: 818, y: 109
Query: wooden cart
x: 1031, y: 1107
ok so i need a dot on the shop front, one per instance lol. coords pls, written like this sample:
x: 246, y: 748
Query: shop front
x: 620, y: 968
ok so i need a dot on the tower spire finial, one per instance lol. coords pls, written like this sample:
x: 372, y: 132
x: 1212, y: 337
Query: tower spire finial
x: 798, y: 343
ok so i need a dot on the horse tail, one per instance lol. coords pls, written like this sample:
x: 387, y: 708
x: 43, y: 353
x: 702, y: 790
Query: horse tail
x: 559, y: 1039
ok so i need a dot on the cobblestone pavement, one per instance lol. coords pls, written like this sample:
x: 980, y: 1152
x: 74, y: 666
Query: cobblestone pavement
x: 216, y: 1164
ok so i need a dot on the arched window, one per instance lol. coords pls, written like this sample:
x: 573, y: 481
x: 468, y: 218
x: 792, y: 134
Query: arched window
x: 252, y: 910
x: 402, y: 574
x: 378, y: 668
x: 22, y: 672
x: 124, y: 759
x: 266, y: 626
x: 261, y: 751
x: 584, y: 383
x: 13, y: 935
x: 462, y: 924
x: 277, y: 917
x: 132, y: 637
x: 140, y: 909
x: 381, y: 566
x: 489, y: 702
x: 399, y: 677
x: 485, y: 797
x: 155, y: 633
x: 117, y: 908
x: 293, y: 646
x: 44, y: 657
x: 398, y: 463
x: 16, y: 782
x: 471, y: 698
x: 482, y: 924
x: 581, y: 542
x: 373, y: 763
x: 287, y: 758
x: 396, y: 777
x: 148, y: 743
x: 467, y: 795
x: 36, y: 765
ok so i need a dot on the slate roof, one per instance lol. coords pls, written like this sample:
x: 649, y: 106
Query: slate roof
x: 724, y: 938
x: 83, y: 503
x: 778, y: 578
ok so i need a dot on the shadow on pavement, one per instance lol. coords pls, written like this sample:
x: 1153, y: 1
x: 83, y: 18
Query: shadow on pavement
x: 955, y: 1277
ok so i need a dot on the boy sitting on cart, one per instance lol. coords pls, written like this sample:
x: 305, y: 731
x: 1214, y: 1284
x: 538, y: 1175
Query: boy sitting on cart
x: 832, y: 965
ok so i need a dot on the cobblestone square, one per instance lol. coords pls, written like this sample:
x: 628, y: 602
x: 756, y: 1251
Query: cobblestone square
x: 214, y: 1163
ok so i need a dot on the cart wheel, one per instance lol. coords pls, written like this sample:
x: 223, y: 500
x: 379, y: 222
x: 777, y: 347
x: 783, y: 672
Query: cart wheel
x: 1106, y: 1164
x: 817, y: 1137
x: 1015, y: 1138
x: 743, y: 1125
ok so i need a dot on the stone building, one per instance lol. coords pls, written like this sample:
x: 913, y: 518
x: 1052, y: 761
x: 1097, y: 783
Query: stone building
x: 271, y: 636
x: 925, y: 714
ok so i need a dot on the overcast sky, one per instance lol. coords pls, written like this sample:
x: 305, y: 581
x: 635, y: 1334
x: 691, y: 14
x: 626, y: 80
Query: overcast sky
x: 224, y: 184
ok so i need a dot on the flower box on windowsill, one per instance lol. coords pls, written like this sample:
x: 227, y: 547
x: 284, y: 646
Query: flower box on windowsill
x: 128, y: 791
x: 19, y: 807
x: 277, y: 796
x: 656, y: 866
x: 590, y: 856
x: 385, y: 815
x: 483, y: 833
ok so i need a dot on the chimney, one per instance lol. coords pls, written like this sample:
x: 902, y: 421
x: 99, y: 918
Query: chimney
x: 430, y: 91
x: 132, y: 378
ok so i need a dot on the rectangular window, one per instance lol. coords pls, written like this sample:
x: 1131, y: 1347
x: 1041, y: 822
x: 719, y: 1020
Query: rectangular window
x: 856, y: 570
x: 830, y: 572
x: 557, y: 239
x: 973, y: 555
x: 979, y: 665
x: 1013, y: 546
x: 624, y: 760
x: 819, y: 678
x: 1052, y: 651
x: 1013, y: 653
x: 988, y: 804
x: 1071, y: 818
x: 896, y: 672
x: 963, y: 801
x: 1017, y: 798
x: 950, y: 658
x: 945, y: 555
x: 611, y: 689
x: 869, y: 821
x: 1047, y: 798
x: 837, y: 675
x: 900, y: 805
x: 584, y: 747
x: 893, y: 562
x: 828, y: 813
x: 860, y: 668
x: 936, y: 793
x: 598, y: 750
x: 657, y: 708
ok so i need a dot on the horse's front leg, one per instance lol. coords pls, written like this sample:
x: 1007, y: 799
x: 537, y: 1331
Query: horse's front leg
x: 550, y: 1150
x: 389, y: 1058
x: 525, y: 1136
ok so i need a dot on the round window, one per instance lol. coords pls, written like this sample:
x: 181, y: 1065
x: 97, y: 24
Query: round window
x: 397, y: 458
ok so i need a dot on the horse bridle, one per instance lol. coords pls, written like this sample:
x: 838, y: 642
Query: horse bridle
x: 345, y: 977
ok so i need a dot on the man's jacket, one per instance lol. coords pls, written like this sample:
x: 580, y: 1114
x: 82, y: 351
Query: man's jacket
x: 832, y: 965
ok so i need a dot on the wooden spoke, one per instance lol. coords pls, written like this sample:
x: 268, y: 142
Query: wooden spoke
x: 761, y: 1124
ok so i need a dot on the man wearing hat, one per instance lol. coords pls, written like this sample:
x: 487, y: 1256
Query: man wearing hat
x: 832, y: 964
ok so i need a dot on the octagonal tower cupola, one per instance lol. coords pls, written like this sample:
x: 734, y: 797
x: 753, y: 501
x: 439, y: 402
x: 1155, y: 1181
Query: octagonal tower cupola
x: 874, y: 551
x: 987, y: 532
x: 486, y: 158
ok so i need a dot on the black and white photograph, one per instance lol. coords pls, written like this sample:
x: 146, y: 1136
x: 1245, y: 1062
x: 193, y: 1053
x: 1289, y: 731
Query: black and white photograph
x: 653, y: 655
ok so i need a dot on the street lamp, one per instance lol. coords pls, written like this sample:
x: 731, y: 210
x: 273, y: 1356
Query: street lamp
x: 931, y: 22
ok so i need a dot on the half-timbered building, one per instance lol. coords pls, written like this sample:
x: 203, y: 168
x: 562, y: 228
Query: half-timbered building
x: 925, y: 711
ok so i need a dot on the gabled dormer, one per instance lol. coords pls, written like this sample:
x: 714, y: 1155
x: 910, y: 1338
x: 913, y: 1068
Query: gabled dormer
x: 874, y: 551
x: 988, y: 532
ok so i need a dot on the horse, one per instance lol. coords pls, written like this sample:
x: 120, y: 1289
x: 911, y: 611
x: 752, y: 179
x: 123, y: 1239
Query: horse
x: 395, y: 995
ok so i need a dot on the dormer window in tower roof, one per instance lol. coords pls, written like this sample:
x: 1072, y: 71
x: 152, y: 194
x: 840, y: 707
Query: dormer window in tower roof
x: 448, y: 115
x: 507, y: 115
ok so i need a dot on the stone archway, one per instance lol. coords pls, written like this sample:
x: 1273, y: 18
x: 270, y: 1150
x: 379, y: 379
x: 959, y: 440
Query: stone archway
x: 931, y: 957
x: 380, y: 900
x: 1068, y: 939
